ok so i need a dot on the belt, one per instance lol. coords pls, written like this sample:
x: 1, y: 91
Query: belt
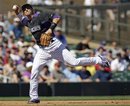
x: 52, y: 40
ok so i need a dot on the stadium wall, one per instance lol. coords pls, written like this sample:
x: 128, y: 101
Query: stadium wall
x: 68, y: 89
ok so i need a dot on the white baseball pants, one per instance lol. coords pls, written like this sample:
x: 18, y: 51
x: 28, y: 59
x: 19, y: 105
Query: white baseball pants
x: 56, y: 50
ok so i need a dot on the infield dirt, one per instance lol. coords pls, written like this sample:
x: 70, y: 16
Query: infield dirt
x: 69, y: 103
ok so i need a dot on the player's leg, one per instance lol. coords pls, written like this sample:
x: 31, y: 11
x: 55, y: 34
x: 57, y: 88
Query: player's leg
x: 65, y: 55
x: 39, y: 61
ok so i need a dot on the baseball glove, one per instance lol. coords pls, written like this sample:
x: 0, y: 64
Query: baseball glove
x: 45, y: 39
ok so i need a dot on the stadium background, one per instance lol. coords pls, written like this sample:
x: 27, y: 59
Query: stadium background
x: 75, y: 27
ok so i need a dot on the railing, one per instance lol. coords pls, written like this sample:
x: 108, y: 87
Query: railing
x: 77, y: 23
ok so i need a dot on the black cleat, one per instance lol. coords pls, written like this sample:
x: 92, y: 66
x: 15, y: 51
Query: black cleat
x: 34, y: 101
x: 105, y: 62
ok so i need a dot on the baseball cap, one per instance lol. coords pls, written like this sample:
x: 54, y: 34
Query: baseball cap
x: 58, y: 29
x: 28, y: 6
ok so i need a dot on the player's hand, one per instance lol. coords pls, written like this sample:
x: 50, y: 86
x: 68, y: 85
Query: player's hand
x: 48, y: 32
x: 15, y: 8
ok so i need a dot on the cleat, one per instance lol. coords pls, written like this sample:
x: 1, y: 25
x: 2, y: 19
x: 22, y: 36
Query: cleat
x: 34, y: 101
x: 105, y: 62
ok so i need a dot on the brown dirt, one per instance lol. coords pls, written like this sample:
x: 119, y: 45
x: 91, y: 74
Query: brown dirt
x: 69, y: 103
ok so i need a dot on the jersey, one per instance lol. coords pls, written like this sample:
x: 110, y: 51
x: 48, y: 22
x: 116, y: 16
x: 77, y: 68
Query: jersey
x: 39, y: 24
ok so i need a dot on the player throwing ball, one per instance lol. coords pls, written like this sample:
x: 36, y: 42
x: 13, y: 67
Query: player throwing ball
x: 42, y: 26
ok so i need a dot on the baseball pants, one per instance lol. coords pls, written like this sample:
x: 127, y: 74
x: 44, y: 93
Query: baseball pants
x: 56, y: 50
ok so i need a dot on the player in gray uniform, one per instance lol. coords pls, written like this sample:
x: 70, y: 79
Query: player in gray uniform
x: 43, y: 23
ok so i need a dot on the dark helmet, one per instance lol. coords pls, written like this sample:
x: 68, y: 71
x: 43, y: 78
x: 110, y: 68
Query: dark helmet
x: 26, y: 6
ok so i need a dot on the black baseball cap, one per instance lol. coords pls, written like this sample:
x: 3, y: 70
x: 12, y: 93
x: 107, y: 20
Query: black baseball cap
x: 26, y: 6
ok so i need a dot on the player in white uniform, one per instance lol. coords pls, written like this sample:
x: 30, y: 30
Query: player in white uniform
x: 55, y: 50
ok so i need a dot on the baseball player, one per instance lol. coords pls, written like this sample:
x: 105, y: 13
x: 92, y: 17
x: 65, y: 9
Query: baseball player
x: 42, y: 26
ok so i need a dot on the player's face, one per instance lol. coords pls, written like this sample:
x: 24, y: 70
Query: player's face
x: 27, y: 12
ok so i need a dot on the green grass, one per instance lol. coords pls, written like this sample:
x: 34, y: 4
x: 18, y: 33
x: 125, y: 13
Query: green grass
x: 57, y: 98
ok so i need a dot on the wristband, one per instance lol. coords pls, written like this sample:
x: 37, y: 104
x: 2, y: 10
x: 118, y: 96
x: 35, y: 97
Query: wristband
x: 53, y: 25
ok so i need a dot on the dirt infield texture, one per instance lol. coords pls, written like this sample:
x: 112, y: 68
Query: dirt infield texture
x: 69, y: 103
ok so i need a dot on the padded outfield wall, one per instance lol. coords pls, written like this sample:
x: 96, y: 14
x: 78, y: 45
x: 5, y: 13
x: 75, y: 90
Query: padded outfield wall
x: 68, y: 89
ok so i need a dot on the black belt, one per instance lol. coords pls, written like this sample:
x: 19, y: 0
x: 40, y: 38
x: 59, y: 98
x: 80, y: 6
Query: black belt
x: 52, y: 40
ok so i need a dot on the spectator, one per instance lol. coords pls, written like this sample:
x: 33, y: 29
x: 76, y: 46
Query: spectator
x: 20, y: 42
x: 26, y: 74
x: 125, y: 55
x: 83, y: 47
x: 88, y: 3
x: 100, y: 51
x: 96, y: 24
x: 118, y: 64
x: 10, y: 72
x: 21, y: 67
x: 1, y: 49
x: 2, y: 24
x: 6, y: 56
x: 35, y: 2
x: 91, y: 68
x: 71, y: 75
x: 60, y: 36
x: 57, y: 73
x: 1, y: 75
x: 49, y: 2
x: 10, y: 42
x: 115, y: 49
x: 111, y: 15
x: 8, y: 67
x: 15, y: 75
x: 16, y: 29
x: 14, y: 54
x: 84, y: 44
x: 109, y: 56
x: 84, y: 74
x: 59, y: 2
x: 102, y: 74
x: 46, y: 75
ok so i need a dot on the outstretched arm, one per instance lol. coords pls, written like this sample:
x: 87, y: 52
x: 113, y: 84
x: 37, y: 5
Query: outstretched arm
x: 22, y: 18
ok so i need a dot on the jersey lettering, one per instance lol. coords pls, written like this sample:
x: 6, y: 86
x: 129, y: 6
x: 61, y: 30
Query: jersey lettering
x: 35, y: 28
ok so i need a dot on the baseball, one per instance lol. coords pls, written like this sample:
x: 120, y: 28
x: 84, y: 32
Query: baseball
x: 15, y: 7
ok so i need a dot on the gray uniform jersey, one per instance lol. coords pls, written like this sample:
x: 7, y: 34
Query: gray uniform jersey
x: 39, y: 24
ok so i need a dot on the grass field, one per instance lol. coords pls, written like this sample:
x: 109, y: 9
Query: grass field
x: 69, y: 101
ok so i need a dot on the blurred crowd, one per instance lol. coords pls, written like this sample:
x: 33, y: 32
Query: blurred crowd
x: 61, y: 2
x: 110, y: 14
x: 18, y: 48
